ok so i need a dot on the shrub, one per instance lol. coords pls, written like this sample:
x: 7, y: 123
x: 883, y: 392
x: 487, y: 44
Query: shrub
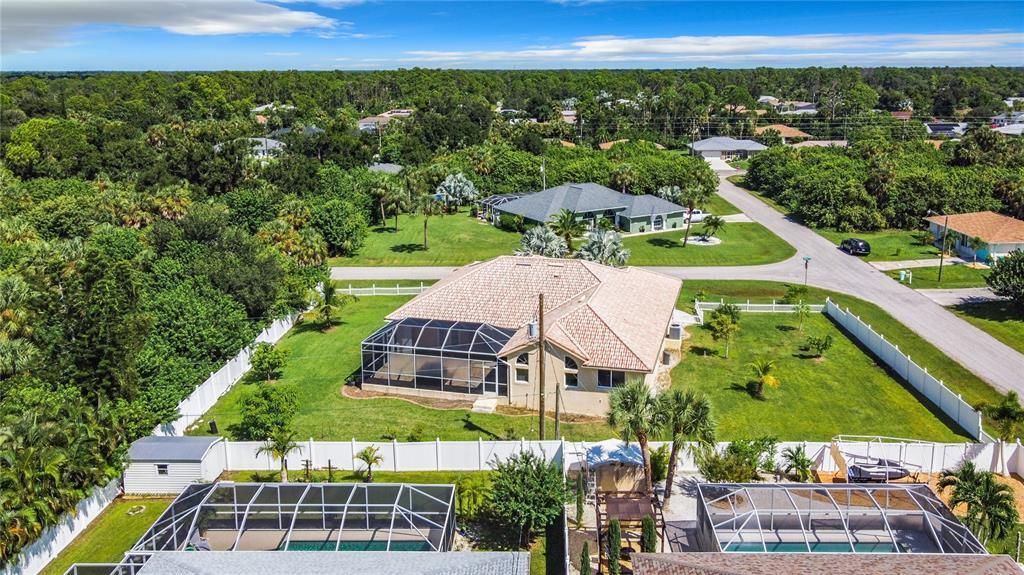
x: 1007, y: 277
x: 585, y: 559
x: 511, y: 222
x: 648, y: 535
x: 264, y: 412
x: 818, y: 345
x: 529, y: 493
x: 614, y: 547
x: 794, y: 294
x: 267, y: 361
x: 740, y: 462
x: 659, y: 463
x: 580, y: 498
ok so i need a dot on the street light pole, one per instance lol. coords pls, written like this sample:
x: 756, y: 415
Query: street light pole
x: 942, y: 248
x: 807, y: 263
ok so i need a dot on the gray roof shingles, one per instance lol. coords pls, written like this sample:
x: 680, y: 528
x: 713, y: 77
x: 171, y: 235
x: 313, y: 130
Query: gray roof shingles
x: 345, y: 563
x: 721, y: 143
x: 171, y: 448
x: 584, y: 198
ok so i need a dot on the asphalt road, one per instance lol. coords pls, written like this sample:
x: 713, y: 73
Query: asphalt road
x: 991, y: 360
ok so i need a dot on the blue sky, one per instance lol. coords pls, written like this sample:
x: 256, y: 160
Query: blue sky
x: 360, y: 35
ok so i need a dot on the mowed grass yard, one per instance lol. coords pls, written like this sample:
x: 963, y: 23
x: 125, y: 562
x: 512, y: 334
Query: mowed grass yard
x: 110, y: 534
x: 1002, y: 320
x: 846, y: 392
x: 742, y: 244
x: 452, y: 240
x: 953, y: 277
x: 887, y: 245
x: 720, y: 206
x: 320, y: 363
x: 816, y: 401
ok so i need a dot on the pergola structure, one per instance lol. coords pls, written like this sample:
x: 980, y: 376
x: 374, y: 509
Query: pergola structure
x: 227, y: 516
x: 839, y: 518
x: 630, y: 508
x: 437, y: 355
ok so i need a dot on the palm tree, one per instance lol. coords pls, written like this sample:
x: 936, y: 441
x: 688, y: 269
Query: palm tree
x: 604, y: 247
x: 1007, y: 415
x: 633, y: 410
x: 426, y: 205
x: 15, y: 354
x: 803, y: 311
x: 763, y: 369
x: 15, y: 317
x: 712, y: 225
x: 394, y: 201
x: 172, y: 202
x: 310, y: 249
x: 328, y: 305
x: 991, y: 509
x: 686, y: 416
x: 567, y: 226
x: 279, y: 445
x: 371, y: 456
x: 294, y: 212
x: 541, y: 241
x: 693, y: 196
x: 623, y: 178
x: 976, y: 244
x: 798, y: 463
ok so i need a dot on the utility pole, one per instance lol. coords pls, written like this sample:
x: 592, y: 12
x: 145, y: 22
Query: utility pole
x: 543, y: 174
x: 540, y: 361
x: 942, y: 248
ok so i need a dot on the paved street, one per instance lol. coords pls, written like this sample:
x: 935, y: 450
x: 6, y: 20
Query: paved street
x: 988, y: 358
x: 949, y: 297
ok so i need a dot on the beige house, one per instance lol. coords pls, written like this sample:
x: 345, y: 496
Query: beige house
x: 477, y: 333
x: 999, y: 234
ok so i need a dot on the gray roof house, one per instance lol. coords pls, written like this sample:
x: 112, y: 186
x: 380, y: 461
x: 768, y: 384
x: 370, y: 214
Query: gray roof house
x: 724, y: 147
x: 305, y: 131
x: 592, y: 202
x: 262, y: 148
x: 385, y: 168
x: 167, y: 464
x: 947, y: 129
x: 1007, y: 118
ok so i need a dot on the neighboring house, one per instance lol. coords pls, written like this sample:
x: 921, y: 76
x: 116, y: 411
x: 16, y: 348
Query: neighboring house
x: 385, y: 168
x: 168, y: 464
x: 477, y: 333
x: 1011, y: 130
x: 609, y: 145
x: 770, y: 100
x: 272, y: 107
x: 305, y: 131
x: 591, y: 202
x: 902, y: 114
x: 375, y: 123
x: 1001, y: 234
x: 726, y: 148
x: 946, y: 129
x: 1007, y: 119
x: 788, y: 133
x: 796, y: 108
x: 821, y: 144
x: 569, y: 116
x: 261, y: 148
x: 1012, y: 100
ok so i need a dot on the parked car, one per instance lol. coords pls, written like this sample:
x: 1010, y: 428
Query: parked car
x: 855, y: 247
x: 697, y: 216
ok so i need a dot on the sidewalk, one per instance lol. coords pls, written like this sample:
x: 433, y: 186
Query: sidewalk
x: 905, y: 264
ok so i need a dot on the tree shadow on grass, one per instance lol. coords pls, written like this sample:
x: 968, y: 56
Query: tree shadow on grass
x: 664, y: 243
x: 784, y: 327
x: 747, y: 388
x: 408, y: 248
x: 469, y: 425
x: 385, y: 230
x: 703, y: 351
x: 307, y: 326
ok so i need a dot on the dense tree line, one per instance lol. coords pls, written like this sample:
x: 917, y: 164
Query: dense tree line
x: 879, y: 183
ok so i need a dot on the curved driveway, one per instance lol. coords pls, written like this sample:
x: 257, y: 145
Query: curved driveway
x: 991, y: 360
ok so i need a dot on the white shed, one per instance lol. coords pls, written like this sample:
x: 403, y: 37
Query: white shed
x: 167, y: 464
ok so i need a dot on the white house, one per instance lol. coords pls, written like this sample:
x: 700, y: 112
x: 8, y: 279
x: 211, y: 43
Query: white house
x: 1000, y: 234
x: 723, y: 147
x: 168, y: 464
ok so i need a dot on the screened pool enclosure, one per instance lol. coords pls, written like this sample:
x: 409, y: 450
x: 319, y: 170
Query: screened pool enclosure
x: 437, y: 355
x: 823, y: 518
x: 306, y: 517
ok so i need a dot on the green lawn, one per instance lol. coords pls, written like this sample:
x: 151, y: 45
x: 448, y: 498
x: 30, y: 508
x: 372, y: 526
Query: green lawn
x: 742, y: 244
x: 453, y: 240
x: 1008, y: 544
x: 320, y: 363
x: 955, y: 376
x: 887, y: 245
x: 1000, y: 319
x: 953, y: 277
x: 846, y: 393
x: 720, y: 206
x: 110, y: 534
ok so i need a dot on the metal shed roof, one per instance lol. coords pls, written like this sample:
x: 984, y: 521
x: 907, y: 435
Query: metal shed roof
x: 171, y: 448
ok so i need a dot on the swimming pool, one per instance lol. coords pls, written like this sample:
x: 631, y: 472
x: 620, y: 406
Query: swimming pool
x: 816, y: 547
x: 355, y: 546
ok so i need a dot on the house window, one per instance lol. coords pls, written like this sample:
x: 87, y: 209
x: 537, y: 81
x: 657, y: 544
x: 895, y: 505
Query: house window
x: 161, y: 469
x: 610, y: 379
x: 572, y: 373
x: 522, y: 375
x: 523, y: 359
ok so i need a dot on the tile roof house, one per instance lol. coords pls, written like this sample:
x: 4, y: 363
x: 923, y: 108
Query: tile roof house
x: 817, y: 563
x: 724, y: 147
x: 591, y: 202
x: 1000, y: 234
x: 477, y: 332
x: 787, y: 132
x: 609, y: 145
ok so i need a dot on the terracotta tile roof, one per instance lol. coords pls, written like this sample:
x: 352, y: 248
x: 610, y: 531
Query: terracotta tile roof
x: 991, y: 227
x: 817, y: 563
x: 783, y: 130
x: 610, y: 145
x: 606, y: 317
x: 902, y: 114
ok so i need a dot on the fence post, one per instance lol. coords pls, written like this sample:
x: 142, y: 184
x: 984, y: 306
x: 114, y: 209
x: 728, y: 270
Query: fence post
x: 309, y: 453
x: 352, y: 453
x: 394, y: 454
x: 479, y: 453
x: 437, y: 454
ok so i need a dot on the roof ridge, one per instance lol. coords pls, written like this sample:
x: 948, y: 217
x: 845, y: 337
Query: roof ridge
x: 628, y: 347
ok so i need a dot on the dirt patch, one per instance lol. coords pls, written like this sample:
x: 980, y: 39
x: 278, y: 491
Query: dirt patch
x: 353, y: 392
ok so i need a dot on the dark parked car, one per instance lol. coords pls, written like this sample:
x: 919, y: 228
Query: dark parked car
x: 856, y: 247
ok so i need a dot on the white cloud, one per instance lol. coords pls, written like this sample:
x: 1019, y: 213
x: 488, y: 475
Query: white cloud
x: 864, y: 49
x: 324, y: 3
x: 32, y: 25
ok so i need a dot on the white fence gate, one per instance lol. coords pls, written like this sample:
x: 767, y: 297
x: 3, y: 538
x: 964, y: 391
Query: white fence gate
x: 206, y: 395
x: 950, y: 403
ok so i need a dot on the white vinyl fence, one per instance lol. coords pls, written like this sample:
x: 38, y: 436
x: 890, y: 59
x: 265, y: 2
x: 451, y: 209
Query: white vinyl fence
x: 219, y: 382
x: 383, y: 290
x: 916, y: 376
x: 55, y: 538
x: 702, y: 307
